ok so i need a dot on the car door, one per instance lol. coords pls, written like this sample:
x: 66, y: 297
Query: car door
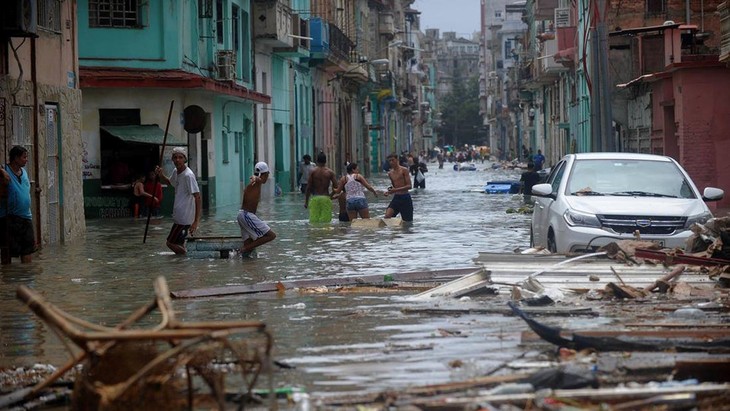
x: 541, y: 212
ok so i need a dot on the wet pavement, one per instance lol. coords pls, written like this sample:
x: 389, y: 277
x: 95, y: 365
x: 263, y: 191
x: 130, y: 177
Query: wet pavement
x: 337, y: 342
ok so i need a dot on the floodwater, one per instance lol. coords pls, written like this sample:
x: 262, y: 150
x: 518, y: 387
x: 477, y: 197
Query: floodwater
x: 337, y: 342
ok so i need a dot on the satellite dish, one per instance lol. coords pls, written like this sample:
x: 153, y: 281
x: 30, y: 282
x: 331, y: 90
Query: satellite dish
x: 194, y: 118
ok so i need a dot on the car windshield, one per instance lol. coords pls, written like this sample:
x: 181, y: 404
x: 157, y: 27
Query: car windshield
x: 636, y: 178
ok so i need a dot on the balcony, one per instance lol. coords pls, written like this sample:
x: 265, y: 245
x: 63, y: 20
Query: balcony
x: 546, y: 70
x: 386, y: 24
x: 300, y: 39
x: 272, y: 23
x: 330, y: 45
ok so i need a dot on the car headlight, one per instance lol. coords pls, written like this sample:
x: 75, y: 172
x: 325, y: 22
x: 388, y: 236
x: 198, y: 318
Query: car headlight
x: 699, y: 219
x: 576, y: 218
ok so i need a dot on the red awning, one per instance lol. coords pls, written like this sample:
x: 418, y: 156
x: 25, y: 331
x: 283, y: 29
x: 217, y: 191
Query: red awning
x: 103, y: 77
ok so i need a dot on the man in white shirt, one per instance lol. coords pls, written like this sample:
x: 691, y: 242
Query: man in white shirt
x: 188, y: 204
x: 305, y: 169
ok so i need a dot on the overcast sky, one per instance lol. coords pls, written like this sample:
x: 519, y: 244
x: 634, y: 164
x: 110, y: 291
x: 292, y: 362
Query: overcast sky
x: 461, y: 16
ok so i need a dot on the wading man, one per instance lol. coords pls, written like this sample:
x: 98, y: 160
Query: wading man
x: 318, y: 186
x: 188, y: 204
x: 400, y: 180
x: 254, y: 231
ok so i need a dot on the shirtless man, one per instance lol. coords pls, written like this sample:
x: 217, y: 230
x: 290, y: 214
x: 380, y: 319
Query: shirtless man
x: 318, y: 186
x: 400, y: 180
x: 254, y: 231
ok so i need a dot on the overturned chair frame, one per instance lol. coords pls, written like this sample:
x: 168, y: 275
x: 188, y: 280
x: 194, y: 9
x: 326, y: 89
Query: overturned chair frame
x: 149, y: 368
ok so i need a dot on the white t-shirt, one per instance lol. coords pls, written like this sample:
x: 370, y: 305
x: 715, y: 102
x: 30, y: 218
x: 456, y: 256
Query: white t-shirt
x: 183, y: 210
x: 305, y: 170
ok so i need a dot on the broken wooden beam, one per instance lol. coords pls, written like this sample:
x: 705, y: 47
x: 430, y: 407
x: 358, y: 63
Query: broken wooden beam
x: 671, y: 275
x: 673, y: 258
x: 277, y: 286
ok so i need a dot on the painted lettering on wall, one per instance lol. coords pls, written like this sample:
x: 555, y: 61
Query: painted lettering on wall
x: 109, y: 202
x: 114, y: 212
x: 90, y: 168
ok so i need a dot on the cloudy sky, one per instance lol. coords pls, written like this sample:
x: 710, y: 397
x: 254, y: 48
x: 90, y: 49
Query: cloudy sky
x: 461, y: 16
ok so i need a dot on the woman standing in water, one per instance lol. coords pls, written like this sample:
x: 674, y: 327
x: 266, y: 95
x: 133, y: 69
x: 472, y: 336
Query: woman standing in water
x: 355, y: 184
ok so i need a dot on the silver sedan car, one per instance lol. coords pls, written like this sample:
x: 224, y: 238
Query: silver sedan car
x: 592, y: 199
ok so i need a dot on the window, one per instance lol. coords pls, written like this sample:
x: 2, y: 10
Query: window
x: 654, y: 7
x: 49, y: 15
x: 235, y: 30
x: 219, y: 21
x: 245, y: 54
x: 498, y: 14
x: 114, y: 13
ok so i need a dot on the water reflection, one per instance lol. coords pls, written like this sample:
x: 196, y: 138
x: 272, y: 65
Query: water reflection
x: 337, y: 341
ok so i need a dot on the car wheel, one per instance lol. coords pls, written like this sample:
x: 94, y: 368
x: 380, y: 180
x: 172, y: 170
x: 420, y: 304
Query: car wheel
x: 551, y: 244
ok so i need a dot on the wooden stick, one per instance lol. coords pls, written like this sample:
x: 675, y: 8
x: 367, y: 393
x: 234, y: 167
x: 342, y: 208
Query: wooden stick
x: 157, y: 178
x: 675, y: 272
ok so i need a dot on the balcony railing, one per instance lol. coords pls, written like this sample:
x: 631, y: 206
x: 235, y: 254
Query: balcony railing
x: 329, y: 43
x: 340, y: 44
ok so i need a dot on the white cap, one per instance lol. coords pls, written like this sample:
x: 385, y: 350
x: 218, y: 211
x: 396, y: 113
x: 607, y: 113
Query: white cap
x: 180, y: 150
x: 261, y: 168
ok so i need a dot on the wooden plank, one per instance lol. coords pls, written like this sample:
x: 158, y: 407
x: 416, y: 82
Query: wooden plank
x: 680, y: 258
x: 414, y: 276
x: 696, y: 333
x: 502, y: 310
x: 368, y: 223
x: 588, y: 394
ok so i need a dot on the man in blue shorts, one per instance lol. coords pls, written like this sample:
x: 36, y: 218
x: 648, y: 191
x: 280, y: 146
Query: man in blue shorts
x: 400, y: 180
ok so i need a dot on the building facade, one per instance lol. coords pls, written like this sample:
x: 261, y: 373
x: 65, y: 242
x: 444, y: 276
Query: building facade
x: 40, y: 109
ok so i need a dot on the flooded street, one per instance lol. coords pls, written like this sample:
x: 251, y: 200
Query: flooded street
x: 337, y: 342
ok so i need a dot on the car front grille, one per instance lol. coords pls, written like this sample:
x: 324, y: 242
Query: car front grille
x: 628, y: 224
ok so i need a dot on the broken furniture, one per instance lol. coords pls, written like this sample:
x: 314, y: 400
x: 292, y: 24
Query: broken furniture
x: 164, y: 367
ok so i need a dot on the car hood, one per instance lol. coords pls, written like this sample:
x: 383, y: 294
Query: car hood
x: 612, y: 205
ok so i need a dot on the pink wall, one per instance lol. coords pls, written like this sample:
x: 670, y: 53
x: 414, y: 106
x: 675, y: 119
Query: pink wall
x: 701, y: 113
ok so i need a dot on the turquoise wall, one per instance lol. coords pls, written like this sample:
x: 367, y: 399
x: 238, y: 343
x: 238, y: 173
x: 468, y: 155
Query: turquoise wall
x: 173, y: 37
x: 303, y: 107
x: 233, y: 156
x: 120, y: 47
x: 281, y: 106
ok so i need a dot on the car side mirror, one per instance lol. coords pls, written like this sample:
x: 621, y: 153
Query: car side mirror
x: 712, y: 194
x: 543, y: 190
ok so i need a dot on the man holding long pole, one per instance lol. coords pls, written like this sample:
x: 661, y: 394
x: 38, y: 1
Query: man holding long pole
x: 188, y: 203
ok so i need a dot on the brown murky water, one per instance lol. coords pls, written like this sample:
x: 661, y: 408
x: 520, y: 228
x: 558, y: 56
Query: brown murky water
x: 339, y: 343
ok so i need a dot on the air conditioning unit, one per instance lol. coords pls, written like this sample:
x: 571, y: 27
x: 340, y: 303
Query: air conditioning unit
x: 19, y: 18
x: 226, y: 65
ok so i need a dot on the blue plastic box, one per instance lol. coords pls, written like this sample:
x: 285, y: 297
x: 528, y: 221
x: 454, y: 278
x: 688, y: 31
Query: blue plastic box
x: 502, y: 187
